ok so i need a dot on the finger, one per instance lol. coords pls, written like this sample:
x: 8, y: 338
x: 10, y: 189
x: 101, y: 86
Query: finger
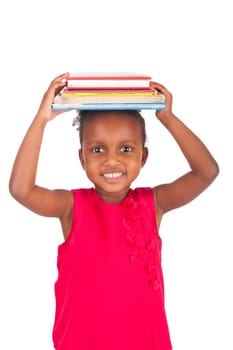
x: 161, y: 89
x: 61, y: 76
x: 59, y: 82
x: 61, y: 79
x: 158, y: 86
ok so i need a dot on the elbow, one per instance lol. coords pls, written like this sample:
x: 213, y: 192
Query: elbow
x: 212, y: 172
x: 11, y: 188
x: 16, y: 191
x: 215, y: 171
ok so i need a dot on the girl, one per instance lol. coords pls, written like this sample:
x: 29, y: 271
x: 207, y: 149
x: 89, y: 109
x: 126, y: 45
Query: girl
x: 109, y: 291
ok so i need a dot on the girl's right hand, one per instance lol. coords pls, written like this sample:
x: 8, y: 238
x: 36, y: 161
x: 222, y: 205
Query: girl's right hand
x: 161, y: 114
x: 45, y: 111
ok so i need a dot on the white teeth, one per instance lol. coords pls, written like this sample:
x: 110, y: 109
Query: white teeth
x: 112, y: 175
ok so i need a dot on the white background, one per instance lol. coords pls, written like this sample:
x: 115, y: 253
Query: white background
x: 186, y: 46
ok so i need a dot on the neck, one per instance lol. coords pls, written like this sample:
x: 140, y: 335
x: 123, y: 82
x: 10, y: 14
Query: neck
x: 112, y: 197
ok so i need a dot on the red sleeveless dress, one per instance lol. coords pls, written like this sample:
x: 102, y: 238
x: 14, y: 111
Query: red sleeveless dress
x: 110, y: 291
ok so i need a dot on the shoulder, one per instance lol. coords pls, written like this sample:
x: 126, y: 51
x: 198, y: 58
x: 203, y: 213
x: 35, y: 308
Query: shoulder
x: 81, y: 197
x: 82, y: 193
x: 148, y: 196
x: 77, y: 199
x: 157, y: 194
x: 145, y: 196
x: 144, y: 193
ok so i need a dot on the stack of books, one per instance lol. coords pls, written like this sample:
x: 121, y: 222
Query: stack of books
x: 108, y: 91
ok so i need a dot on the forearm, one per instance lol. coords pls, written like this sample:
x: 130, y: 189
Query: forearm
x: 24, y: 170
x: 198, y: 156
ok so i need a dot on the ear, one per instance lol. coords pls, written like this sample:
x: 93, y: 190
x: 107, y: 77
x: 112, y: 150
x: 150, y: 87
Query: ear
x: 80, y: 153
x: 144, y: 156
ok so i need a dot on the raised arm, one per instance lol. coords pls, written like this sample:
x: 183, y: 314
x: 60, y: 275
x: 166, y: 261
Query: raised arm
x: 22, y: 186
x: 203, y: 167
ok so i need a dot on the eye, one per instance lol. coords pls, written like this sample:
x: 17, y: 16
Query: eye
x: 97, y: 149
x: 126, y: 149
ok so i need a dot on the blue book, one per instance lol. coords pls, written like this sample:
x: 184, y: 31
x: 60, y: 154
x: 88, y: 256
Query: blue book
x: 110, y: 106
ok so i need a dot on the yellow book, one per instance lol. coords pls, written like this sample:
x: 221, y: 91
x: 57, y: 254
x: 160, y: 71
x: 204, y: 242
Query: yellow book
x: 109, y: 98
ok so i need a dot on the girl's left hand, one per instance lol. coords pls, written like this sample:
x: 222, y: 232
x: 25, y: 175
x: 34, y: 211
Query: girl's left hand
x: 45, y: 109
x: 167, y: 113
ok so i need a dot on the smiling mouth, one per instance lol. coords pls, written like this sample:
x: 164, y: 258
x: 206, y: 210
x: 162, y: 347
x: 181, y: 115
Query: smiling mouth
x: 112, y: 175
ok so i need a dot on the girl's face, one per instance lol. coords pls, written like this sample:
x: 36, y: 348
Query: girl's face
x: 112, y: 153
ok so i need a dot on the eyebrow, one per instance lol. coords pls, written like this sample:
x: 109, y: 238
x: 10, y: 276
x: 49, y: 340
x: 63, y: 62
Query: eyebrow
x: 120, y: 142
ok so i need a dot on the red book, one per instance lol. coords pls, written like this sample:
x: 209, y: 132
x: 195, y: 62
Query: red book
x: 108, y: 81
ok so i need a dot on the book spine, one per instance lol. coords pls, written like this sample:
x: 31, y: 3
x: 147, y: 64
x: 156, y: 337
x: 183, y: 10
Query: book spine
x: 106, y: 84
x: 110, y: 106
x: 107, y: 89
x: 153, y: 93
x: 108, y: 76
x: 110, y: 99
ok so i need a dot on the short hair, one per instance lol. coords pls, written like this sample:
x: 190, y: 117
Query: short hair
x: 83, y: 115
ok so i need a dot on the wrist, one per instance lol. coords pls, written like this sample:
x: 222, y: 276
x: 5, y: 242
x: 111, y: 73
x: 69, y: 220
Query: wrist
x: 165, y: 117
x: 40, y: 119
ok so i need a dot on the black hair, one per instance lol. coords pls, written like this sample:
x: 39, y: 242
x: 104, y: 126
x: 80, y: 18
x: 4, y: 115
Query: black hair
x: 83, y: 115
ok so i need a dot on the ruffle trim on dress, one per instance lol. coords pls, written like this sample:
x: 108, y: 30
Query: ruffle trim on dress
x: 140, y: 237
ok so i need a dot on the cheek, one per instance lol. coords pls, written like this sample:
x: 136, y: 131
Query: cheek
x: 91, y: 165
x: 135, y: 164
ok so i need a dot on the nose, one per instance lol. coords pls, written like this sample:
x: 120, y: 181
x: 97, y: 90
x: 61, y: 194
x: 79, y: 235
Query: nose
x: 112, y: 158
